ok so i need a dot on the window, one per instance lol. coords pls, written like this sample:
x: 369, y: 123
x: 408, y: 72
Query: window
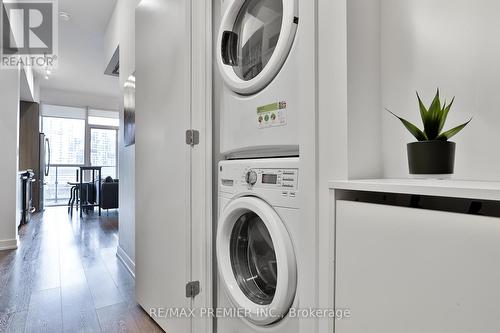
x: 67, y: 151
x: 78, y: 137
x: 67, y: 140
x: 103, y: 150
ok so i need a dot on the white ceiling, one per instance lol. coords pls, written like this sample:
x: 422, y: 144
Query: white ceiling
x: 81, y: 62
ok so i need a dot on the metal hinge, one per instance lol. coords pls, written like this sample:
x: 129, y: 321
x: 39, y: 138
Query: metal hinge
x: 192, y: 289
x: 192, y: 137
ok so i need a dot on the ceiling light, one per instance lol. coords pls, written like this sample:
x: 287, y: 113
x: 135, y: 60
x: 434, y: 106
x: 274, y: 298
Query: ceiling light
x: 46, y: 77
x: 48, y: 71
x: 65, y: 16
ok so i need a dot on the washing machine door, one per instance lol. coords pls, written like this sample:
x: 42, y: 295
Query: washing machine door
x: 257, y: 263
x: 254, y: 41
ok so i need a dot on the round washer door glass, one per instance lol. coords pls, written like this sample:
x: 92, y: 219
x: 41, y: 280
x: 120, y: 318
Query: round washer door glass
x: 256, y: 260
x: 253, y: 259
x: 258, y: 27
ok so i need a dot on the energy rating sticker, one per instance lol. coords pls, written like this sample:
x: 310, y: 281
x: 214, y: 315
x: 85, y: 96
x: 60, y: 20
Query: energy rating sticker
x: 272, y: 115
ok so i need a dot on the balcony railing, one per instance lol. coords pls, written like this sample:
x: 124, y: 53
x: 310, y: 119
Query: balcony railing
x: 57, y: 190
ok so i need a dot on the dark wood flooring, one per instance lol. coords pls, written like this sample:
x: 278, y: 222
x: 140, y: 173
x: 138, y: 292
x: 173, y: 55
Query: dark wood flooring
x: 65, y: 277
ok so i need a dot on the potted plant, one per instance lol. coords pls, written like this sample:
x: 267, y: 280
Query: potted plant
x: 433, y: 153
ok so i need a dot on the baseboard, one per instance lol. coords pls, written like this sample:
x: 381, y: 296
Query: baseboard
x: 125, y: 259
x: 10, y: 244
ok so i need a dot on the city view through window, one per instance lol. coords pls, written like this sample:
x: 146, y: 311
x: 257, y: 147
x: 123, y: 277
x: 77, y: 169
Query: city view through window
x: 103, y: 149
x: 68, y: 151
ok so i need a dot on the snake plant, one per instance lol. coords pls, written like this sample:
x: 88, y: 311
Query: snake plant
x: 433, y: 119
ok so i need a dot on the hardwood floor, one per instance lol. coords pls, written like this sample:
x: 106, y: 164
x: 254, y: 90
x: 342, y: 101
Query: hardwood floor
x: 65, y: 277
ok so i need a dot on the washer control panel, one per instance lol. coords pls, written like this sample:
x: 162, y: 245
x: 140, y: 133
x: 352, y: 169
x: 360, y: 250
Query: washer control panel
x: 286, y: 179
x: 275, y: 180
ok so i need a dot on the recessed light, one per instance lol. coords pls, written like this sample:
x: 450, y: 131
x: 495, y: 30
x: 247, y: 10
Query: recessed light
x: 65, y: 16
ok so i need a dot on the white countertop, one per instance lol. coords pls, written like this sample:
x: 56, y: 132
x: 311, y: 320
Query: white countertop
x: 431, y: 187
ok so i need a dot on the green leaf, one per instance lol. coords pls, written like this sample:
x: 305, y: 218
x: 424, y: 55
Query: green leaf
x: 435, y: 107
x: 444, y: 114
x: 431, y: 125
x: 449, y: 134
x: 423, y: 110
x: 414, y: 130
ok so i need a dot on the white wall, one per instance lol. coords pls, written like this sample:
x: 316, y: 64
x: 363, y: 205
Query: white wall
x: 112, y: 35
x: 9, y: 151
x: 363, y: 89
x: 121, y: 31
x: 454, y: 45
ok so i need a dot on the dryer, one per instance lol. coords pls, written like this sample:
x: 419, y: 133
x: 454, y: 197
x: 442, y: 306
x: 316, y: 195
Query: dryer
x: 258, y: 61
x: 257, y: 246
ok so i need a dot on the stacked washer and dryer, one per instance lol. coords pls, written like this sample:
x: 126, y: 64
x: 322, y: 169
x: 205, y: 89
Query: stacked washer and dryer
x: 259, y: 184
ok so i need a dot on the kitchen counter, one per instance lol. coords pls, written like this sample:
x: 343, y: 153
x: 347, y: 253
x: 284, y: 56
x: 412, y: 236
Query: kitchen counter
x: 450, y: 188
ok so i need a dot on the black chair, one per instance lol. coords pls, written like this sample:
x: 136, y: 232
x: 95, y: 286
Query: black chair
x: 73, y: 197
x: 109, y: 191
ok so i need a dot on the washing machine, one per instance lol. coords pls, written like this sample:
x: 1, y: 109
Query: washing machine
x: 257, y: 246
x: 258, y: 61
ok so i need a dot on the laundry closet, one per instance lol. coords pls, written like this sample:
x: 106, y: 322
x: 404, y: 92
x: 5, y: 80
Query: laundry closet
x: 284, y: 118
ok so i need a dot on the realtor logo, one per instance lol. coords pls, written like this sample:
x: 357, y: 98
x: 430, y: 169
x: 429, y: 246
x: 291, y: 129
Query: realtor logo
x: 29, y: 29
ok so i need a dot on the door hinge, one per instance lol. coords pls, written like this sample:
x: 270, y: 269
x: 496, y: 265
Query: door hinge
x: 192, y: 137
x: 192, y: 289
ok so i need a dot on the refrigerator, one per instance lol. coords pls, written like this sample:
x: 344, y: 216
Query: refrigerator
x: 44, y: 169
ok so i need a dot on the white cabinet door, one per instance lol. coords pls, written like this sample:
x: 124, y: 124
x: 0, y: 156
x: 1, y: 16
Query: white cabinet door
x: 172, y: 205
x: 412, y: 270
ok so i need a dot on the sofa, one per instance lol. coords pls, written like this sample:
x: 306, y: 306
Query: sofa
x: 109, y: 192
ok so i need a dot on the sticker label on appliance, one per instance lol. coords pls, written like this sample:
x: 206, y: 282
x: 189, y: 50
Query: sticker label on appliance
x: 272, y: 115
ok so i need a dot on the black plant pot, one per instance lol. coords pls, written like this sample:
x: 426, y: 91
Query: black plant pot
x: 431, y: 157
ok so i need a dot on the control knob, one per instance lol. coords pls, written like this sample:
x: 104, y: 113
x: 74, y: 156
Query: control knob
x: 251, y: 177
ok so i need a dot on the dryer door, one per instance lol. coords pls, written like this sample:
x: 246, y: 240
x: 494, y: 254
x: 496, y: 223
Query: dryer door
x: 256, y: 260
x: 254, y: 41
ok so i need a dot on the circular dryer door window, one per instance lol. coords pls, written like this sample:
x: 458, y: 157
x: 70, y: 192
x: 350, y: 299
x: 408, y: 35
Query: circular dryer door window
x: 254, y: 41
x: 256, y: 260
x: 258, y: 27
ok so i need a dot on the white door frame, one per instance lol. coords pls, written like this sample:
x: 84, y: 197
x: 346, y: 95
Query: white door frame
x: 201, y: 166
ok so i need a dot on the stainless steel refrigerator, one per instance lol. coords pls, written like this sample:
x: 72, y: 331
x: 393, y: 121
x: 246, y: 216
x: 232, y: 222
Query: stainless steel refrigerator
x: 44, y: 170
